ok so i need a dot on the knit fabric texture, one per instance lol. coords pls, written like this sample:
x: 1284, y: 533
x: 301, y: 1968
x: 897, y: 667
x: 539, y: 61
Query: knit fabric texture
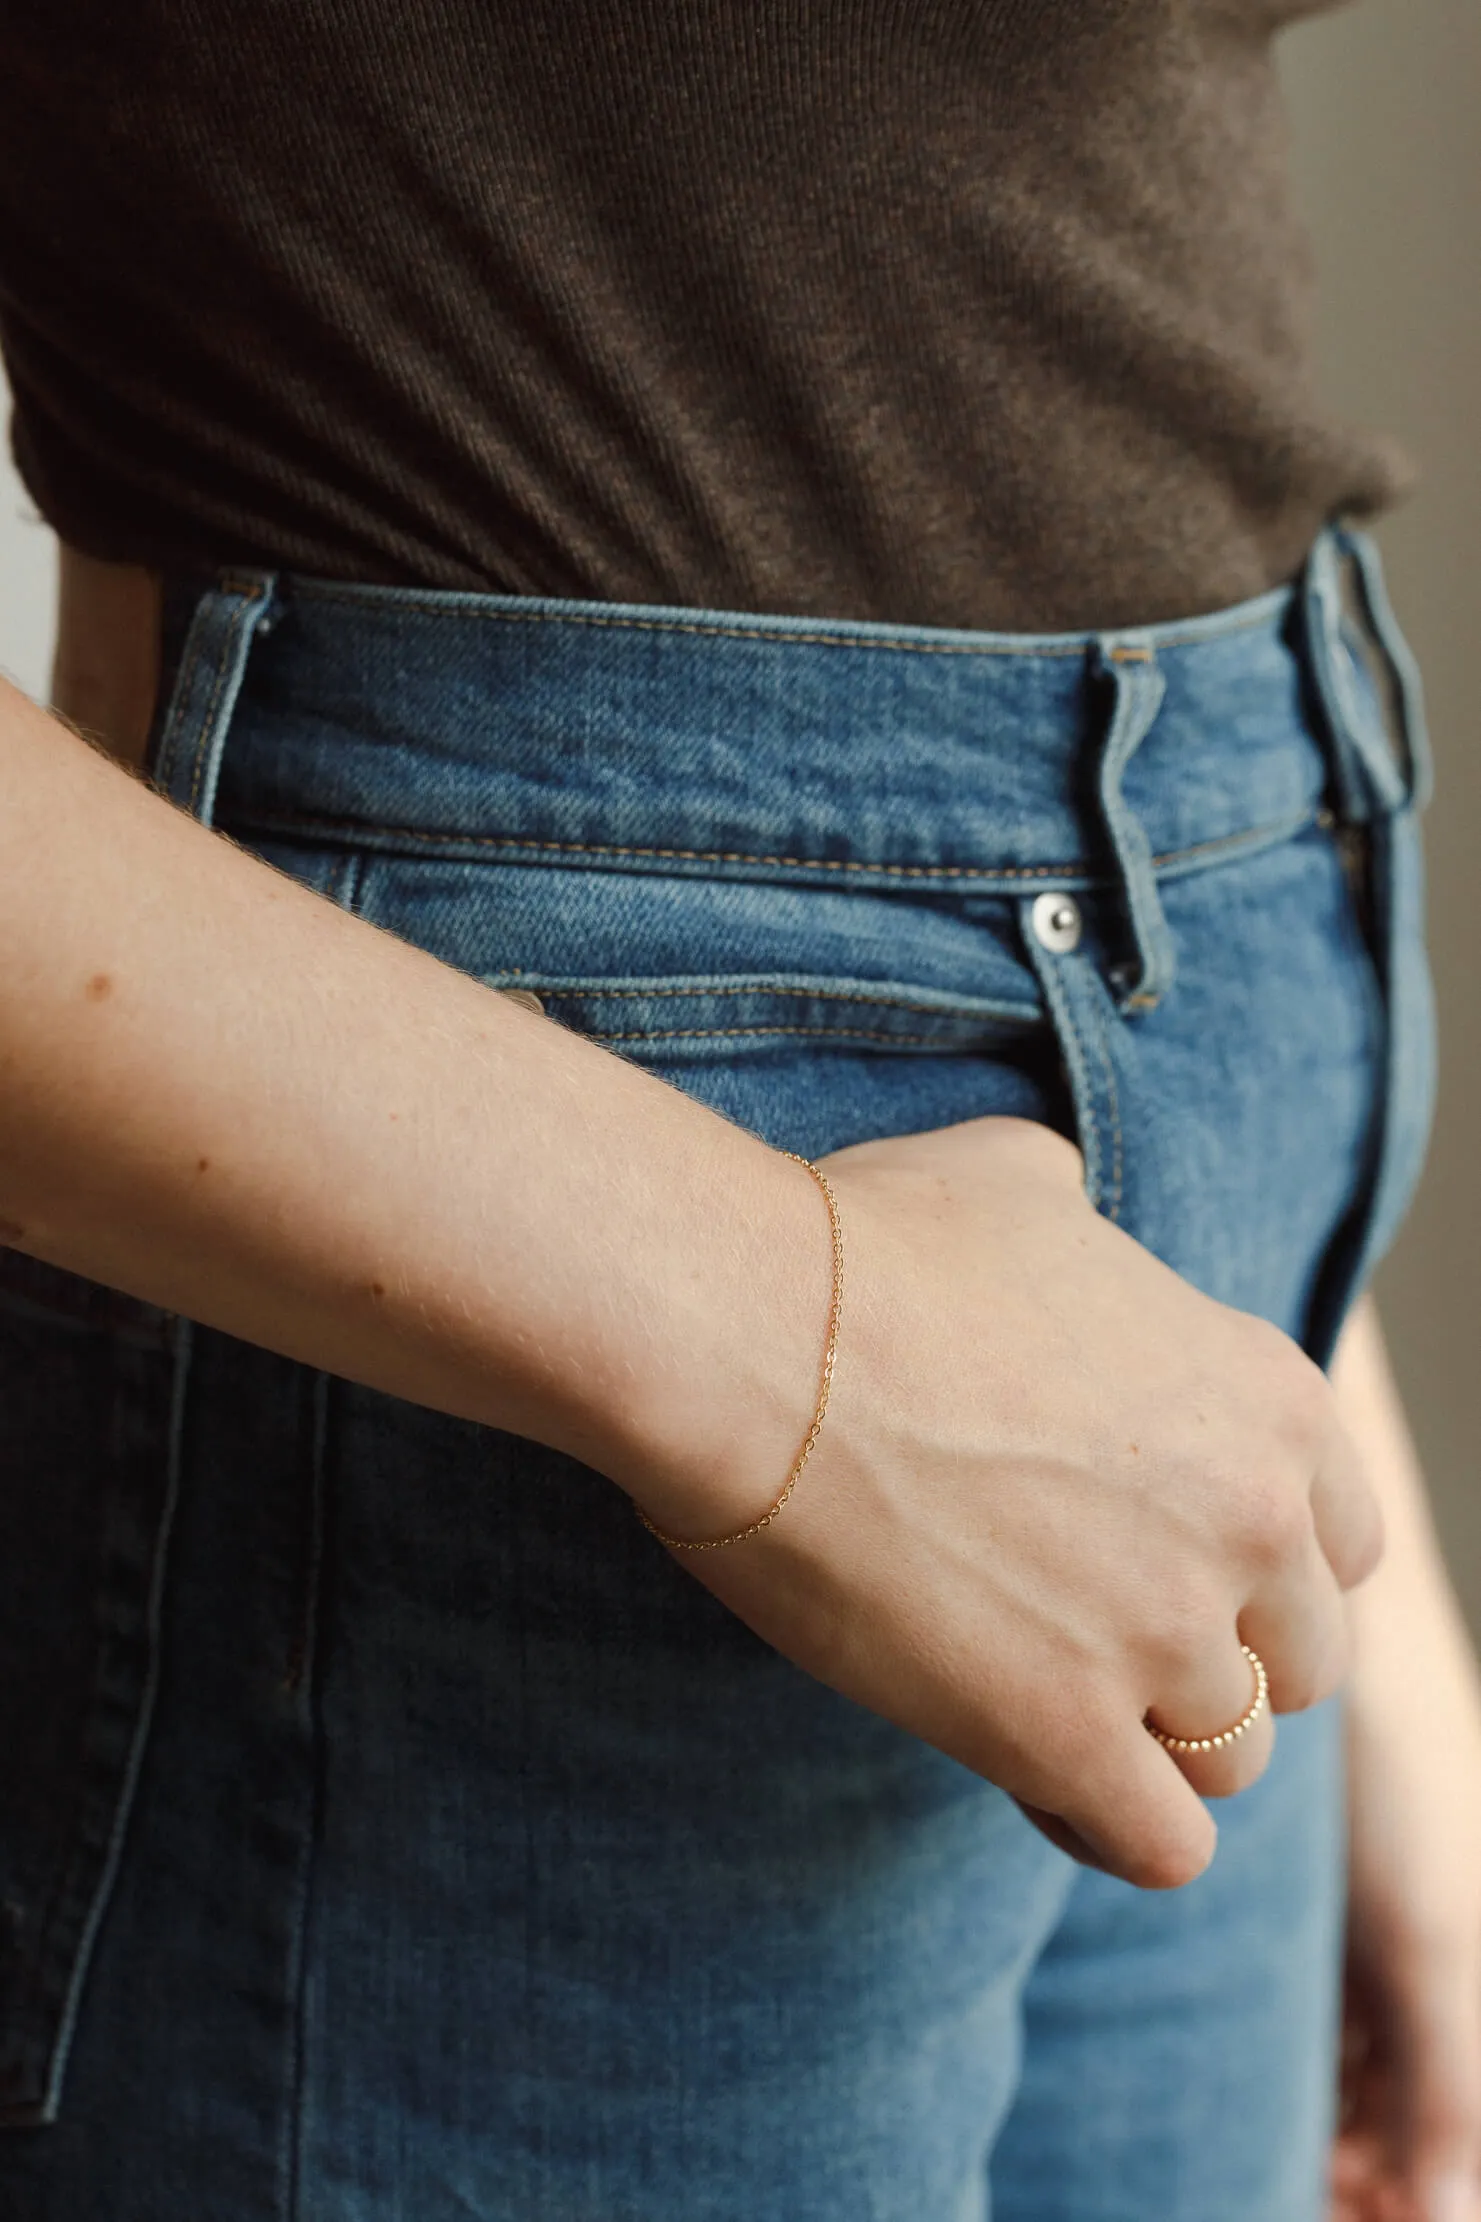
x: 956, y: 312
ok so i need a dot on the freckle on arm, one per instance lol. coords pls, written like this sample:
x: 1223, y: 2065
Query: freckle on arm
x: 97, y: 987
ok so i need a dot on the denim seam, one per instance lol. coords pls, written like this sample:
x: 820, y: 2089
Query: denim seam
x: 1168, y: 859
x: 251, y: 591
x: 143, y: 1724
x: 1072, y: 1048
x: 1076, y: 647
x: 727, y: 1033
x: 290, y: 2160
x: 164, y: 770
x: 203, y: 751
x: 343, y: 890
x: 598, y: 993
x: 1183, y: 863
x: 1113, y: 1108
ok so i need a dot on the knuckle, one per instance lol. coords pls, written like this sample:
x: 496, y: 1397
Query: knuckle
x: 1036, y: 1136
x: 1304, y: 1408
x: 1365, y: 1549
x: 1189, y: 1626
x: 1273, y: 1521
x: 1294, y: 1395
x: 1272, y: 1348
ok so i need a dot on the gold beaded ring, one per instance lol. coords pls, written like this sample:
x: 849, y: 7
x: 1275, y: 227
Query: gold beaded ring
x: 1228, y: 1735
x: 835, y: 1310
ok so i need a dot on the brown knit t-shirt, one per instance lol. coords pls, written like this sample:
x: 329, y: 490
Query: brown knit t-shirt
x: 967, y: 312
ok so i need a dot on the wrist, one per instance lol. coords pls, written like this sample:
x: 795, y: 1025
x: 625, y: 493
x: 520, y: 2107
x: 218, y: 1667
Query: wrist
x: 721, y: 1392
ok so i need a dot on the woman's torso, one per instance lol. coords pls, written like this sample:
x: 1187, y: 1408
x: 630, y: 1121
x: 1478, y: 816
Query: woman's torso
x: 975, y: 312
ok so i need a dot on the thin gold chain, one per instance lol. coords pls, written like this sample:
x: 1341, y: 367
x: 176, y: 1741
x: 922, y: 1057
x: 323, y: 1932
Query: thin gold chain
x: 835, y: 1313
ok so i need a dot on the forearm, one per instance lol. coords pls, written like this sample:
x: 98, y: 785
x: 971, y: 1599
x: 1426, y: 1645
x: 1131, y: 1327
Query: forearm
x: 1412, y: 1653
x: 221, y: 1093
x: 1413, y: 1692
x: 1412, y: 2040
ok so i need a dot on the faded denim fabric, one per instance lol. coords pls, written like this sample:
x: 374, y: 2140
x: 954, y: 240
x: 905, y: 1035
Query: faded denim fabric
x: 389, y: 1830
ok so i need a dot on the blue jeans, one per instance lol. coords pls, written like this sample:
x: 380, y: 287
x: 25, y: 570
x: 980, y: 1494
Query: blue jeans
x: 389, y: 1830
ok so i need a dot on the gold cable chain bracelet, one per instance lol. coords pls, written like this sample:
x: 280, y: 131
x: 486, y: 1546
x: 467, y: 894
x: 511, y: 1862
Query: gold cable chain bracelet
x: 835, y: 1310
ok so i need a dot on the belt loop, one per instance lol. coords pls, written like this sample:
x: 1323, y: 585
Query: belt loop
x: 1370, y: 777
x: 213, y: 662
x: 1333, y: 675
x: 1394, y: 648
x: 1128, y: 662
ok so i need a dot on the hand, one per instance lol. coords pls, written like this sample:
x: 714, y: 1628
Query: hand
x: 1410, y: 2143
x: 1057, y: 1488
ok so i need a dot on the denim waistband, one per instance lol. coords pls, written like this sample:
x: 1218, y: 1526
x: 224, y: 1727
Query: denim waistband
x: 679, y: 741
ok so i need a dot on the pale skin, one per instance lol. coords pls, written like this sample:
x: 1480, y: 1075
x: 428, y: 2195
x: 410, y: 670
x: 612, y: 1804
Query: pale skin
x: 1412, y: 2147
x: 526, y: 1231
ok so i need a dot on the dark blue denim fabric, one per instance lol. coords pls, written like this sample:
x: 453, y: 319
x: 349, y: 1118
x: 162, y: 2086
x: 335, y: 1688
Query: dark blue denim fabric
x: 389, y: 1830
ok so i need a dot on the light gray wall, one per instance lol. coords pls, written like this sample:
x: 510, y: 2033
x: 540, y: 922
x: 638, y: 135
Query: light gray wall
x: 1385, y: 99
x: 28, y: 571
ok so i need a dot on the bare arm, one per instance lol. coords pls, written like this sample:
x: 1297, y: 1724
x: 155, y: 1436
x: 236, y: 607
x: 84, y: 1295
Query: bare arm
x: 220, y: 1093
x: 1412, y: 1592
x: 1414, y: 1751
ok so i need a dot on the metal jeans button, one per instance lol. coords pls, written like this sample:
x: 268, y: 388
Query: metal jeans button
x: 1057, y: 923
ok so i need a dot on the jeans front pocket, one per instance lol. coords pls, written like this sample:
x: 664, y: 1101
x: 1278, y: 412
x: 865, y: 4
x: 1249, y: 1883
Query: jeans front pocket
x: 88, y: 1395
x: 814, y: 1016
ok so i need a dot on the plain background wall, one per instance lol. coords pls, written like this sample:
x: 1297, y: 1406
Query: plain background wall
x: 1384, y: 102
